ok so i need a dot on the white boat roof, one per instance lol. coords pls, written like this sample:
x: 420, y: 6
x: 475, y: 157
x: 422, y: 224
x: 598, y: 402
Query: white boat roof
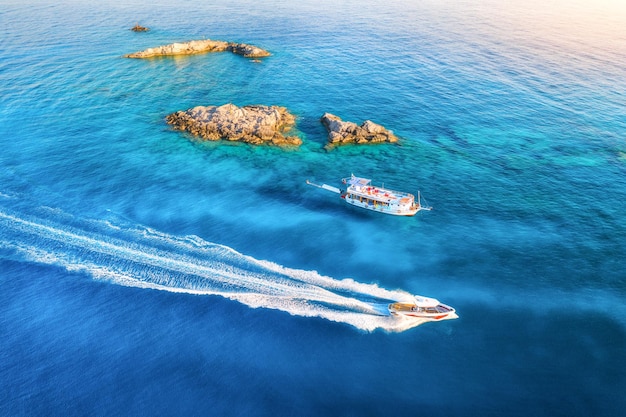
x: 361, y: 187
x: 358, y: 181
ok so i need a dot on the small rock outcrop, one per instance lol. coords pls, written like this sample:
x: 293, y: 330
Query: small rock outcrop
x: 199, y: 47
x: 247, y: 50
x: 139, y: 28
x: 340, y: 132
x: 253, y: 124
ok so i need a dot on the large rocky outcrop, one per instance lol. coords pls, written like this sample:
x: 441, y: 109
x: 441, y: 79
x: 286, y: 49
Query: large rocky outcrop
x: 251, y: 124
x: 201, y: 46
x: 340, y: 132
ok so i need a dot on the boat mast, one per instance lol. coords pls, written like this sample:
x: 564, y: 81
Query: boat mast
x: 419, y: 202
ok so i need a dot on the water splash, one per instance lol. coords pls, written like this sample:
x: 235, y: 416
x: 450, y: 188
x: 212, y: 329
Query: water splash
x: 138, y: 256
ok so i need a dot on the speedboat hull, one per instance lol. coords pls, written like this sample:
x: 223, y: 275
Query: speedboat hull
x: 428, y: 310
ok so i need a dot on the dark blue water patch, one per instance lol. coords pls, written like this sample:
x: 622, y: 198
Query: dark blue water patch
x: 207, y: 350
x: 127, y: 350
x: 540, y: 347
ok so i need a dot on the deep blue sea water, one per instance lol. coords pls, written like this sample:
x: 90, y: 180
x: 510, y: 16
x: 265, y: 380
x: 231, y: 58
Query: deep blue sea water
x: 145, y: 273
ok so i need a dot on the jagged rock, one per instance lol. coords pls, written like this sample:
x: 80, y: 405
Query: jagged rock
x: 247, y: 50
x: 340, y: 132
x: 139, y: 28
x: 252, y: 124
x: 201, y: 46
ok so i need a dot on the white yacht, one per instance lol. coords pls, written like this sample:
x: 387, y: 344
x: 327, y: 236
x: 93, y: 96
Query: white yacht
x: 361, y: 193
x: 423, y: 307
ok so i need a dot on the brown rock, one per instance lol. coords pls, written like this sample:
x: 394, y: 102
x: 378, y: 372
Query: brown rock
x: 340, y: 132
x: 199, y: 47
x: 138, y: 28
x: 252, y: 124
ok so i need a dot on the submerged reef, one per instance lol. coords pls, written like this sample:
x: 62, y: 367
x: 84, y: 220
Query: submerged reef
x: 340, y: 132
x: 254, y: 124
x: 199, y: 47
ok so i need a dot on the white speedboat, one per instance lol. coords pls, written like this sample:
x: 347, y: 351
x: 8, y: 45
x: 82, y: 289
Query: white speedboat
x: 423, y: 307
x: 361, y: 193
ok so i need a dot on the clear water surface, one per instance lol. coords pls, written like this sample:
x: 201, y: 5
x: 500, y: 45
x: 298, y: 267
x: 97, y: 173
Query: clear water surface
x: 143, y: 272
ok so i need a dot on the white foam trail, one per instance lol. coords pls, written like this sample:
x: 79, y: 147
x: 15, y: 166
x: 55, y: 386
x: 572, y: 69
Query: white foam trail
x: 142, y: 257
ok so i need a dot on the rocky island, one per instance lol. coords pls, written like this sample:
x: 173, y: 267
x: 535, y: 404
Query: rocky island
x: 254, y: 124
x: 340, y: 132
x: 199, y: 47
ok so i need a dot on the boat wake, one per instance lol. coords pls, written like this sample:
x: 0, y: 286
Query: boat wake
x: 138, y: 256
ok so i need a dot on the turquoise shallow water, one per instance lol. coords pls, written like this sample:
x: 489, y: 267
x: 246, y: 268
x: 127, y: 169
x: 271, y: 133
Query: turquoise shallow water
x: 144, y: 272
